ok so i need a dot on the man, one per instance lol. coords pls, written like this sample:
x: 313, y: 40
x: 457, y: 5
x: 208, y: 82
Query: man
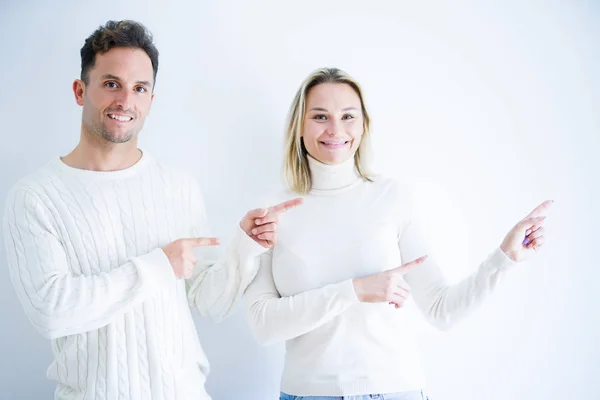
x: 100, y: 243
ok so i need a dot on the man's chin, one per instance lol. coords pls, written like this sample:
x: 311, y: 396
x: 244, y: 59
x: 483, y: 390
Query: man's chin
x: 117, y: 138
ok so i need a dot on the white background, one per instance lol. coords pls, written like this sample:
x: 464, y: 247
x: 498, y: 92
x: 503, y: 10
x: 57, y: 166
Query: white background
x: 490, y: 109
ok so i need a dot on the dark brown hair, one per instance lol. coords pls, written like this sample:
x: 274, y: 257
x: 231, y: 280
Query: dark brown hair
x: 124, y: 33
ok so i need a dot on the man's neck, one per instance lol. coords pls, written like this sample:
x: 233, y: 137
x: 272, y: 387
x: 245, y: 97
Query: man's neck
x: 103, y: 156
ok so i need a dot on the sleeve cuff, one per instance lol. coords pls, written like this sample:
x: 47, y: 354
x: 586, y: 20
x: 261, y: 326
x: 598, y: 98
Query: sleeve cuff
x: 155, y: 268
x: 347, y: 293
x: 498, y: 260
x: 245, y: 246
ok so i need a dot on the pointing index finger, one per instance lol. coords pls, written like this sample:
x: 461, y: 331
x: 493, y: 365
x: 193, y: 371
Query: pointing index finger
x: 540, y: 210
x: 286, y: 205
x: 409, y: 266
x: 200, y: 242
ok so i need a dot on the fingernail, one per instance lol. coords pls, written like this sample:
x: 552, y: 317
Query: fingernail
x: 257, y: 221
x: 526, y: 241
x: 254, y: 231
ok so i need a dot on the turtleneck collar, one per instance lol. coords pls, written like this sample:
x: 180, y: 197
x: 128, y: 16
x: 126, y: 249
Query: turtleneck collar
x: 327, y: 177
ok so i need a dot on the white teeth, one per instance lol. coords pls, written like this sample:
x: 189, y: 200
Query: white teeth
x: 334, y: 143
x: 120, y: 118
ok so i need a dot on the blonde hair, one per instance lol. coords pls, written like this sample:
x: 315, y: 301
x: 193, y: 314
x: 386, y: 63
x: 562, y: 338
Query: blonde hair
x: 296, y: 168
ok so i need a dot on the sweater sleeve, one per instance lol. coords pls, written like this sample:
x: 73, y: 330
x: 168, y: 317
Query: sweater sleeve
x: 443, y: 303
x: 58, y: 302
x: 217, y: 283
x: 274, y: 319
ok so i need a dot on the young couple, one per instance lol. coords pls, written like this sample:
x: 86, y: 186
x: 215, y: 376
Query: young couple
x: 100, y: 246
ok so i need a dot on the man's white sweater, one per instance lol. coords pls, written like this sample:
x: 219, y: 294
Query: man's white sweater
x: 84, y: 253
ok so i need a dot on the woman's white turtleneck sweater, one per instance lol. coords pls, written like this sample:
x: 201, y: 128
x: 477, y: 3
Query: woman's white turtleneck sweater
x: 303, y: 293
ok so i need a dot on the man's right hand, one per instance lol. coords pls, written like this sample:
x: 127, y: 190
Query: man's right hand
x: 181, y: 256
x: 387, y: 286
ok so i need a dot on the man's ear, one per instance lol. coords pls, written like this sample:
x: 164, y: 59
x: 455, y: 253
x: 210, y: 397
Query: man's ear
x: 79, y: 91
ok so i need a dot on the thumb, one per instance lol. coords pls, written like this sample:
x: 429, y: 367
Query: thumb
x: 409, y: 266
x: 257, y: 213
x: 530, y: 222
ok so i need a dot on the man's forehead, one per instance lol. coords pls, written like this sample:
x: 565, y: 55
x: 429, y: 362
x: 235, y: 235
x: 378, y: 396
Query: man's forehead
x: 125, y: 64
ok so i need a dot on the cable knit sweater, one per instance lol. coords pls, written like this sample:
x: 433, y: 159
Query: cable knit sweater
x: 303, y: 293
x: 84, y: 253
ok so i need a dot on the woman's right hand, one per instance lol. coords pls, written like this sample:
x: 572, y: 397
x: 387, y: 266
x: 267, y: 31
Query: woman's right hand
x: 387, y: 286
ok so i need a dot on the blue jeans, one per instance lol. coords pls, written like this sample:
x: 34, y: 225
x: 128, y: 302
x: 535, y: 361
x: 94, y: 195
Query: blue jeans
x: 412, y: 395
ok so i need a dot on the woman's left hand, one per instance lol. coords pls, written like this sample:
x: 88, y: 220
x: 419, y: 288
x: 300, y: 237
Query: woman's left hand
x: 527, y: 236
x: 261, y: 224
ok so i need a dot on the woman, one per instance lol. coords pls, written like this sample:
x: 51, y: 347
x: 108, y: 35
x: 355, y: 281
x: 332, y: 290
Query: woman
x: 349, y: 258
